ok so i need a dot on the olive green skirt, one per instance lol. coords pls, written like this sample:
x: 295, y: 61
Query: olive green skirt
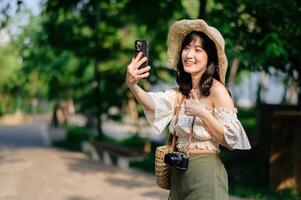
x: 205, y: 179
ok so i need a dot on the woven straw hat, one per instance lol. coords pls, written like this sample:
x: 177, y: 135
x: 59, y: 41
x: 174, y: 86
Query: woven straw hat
x: 181, y: 28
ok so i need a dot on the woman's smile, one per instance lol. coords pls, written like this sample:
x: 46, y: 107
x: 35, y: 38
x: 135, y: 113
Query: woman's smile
x: 188, y: 63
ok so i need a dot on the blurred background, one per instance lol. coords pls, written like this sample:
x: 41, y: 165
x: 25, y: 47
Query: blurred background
x: 63, y: 65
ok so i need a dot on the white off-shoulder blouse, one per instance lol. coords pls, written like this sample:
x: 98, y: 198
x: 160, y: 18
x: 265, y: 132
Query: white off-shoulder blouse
x: 163, y: 114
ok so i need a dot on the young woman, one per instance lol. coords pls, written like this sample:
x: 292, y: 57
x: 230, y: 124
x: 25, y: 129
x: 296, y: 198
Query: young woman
x: 196, y: 51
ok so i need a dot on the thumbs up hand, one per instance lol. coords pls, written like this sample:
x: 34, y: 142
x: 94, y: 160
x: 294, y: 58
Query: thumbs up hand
x: 193, y: 106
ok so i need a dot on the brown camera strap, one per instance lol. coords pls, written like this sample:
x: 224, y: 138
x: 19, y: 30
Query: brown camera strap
x: 180, y: 100
x: 190, y: 136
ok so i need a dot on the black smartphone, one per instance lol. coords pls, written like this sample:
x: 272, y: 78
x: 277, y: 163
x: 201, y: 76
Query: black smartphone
x: 142, y: 46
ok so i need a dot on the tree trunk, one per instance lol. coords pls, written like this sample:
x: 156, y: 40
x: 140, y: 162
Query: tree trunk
x: 299, y: 87
x: 132, y: 109
x: 98, y: 98
x: 54, y: 119
x: 96, y: 75
x: 202, y: 11
x: 299, y: 95
x: 233, y: 70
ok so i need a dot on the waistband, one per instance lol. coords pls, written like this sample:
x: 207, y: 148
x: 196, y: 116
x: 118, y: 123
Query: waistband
x: 198, y: 151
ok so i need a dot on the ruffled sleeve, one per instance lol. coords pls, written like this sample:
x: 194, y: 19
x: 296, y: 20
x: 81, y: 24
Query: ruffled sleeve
x: 234, y: 132
x: 164, y: 109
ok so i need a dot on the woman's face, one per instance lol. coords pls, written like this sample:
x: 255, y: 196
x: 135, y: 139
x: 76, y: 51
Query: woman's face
x: 194, y: 57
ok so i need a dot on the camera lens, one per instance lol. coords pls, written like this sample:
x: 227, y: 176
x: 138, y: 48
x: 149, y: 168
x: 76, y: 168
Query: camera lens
x: 138, y: 46
x: 174, y: 158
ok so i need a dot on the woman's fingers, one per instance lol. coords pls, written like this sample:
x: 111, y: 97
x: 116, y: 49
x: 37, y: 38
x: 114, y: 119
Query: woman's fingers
x: 137, y: 61
x: 143, y: 70
x: 186, y: 106
x: 134, y: 74
x: 138, y: 57
x: 187, y: 111
x: 138, y: 74
x: 141, y: 61
x: 187, y: 102
x: 143, y: 75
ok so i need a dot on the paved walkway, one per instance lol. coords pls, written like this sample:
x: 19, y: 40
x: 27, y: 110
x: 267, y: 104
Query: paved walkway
x: 45, y: 173
x: 31, y: 170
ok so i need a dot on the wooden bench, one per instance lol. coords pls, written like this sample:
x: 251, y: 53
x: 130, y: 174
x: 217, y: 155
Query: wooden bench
x: 104, y: 151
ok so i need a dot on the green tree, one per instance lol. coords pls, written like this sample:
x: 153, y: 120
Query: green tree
x: 9, y: 66
x: 262, y: 34
x: 103, y: 32
x: 59, y: 72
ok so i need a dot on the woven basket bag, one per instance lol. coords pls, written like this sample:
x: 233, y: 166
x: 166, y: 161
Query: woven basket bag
x: 162, y: 171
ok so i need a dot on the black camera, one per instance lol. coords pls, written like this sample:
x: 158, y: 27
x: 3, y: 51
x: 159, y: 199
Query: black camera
x: 177, y: 159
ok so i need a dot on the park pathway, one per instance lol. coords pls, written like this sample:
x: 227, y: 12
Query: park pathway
x: 30, y: 169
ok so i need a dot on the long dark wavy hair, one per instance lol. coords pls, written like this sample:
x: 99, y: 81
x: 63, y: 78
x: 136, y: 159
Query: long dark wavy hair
x: 184, y: 79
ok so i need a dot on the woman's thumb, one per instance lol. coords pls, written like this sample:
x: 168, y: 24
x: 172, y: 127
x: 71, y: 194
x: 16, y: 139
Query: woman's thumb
x: 193, y: 94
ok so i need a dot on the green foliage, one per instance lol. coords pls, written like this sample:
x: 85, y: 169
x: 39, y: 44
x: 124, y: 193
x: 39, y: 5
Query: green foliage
x: 133, y: 141
x: 54, y: 55
x: 10, y: 64
x: 32, y: 69
x: 74, y: 138
x: 263, y: 194
x: 266, y: 30
x: 9, y: 67
x: 95, y: 30
x: 192, y: 7
x: 56, y: 70
x: 77, y: 134
x: 247, y: 118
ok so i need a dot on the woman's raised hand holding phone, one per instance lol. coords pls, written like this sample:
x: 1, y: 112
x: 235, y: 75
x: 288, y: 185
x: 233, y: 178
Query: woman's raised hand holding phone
x: 134, y: 74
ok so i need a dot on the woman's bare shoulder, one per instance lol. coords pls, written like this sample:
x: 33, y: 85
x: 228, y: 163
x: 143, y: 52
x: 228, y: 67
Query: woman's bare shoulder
x: 220, y: 95
x: 218, y: 87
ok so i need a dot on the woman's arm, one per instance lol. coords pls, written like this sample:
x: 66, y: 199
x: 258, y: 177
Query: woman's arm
x: 216, y: 130
x: 133, y: 75
x: 221, y: 99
